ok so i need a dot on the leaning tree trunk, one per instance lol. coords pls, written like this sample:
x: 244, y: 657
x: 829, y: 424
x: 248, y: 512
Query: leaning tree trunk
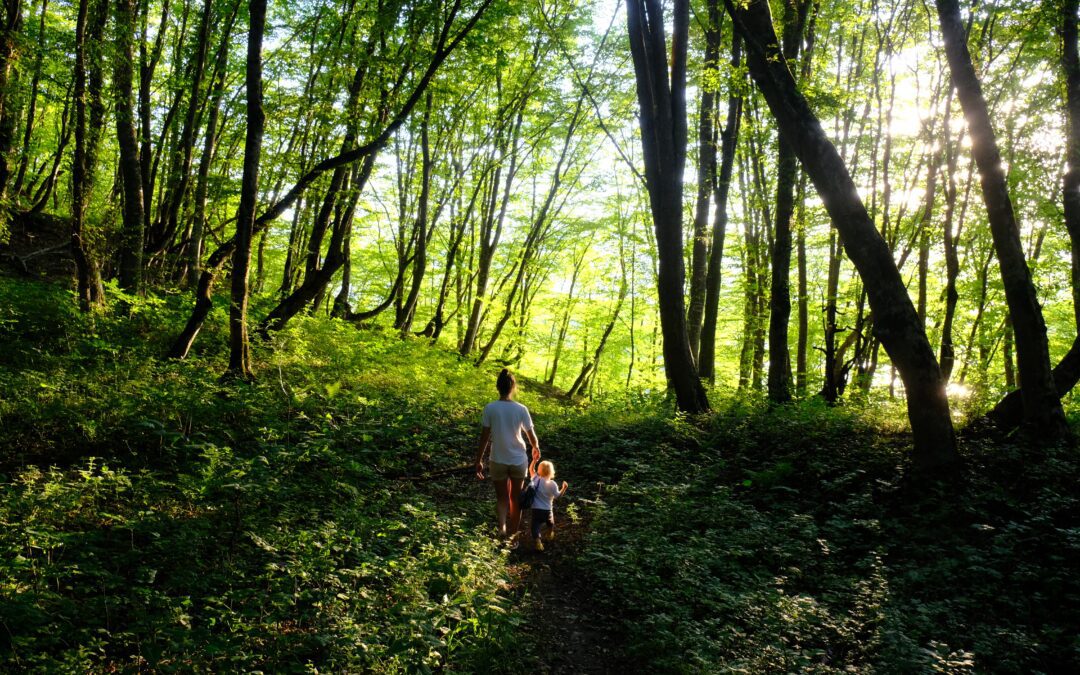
x: 1042, y: 405
x: 1009, y: 412
x: 662, y: 100
x: 239, y: 357
x: 896, y: 323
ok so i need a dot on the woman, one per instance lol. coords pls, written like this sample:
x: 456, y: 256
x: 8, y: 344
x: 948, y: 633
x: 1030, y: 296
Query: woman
x: 503, y: 422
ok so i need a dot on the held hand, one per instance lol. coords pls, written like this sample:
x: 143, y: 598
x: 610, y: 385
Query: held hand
x: 479, y: 471
x: 535, y: 453
x: 564, y: 486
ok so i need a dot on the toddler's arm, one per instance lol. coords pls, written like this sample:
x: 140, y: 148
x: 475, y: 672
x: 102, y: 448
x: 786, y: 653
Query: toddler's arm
x: 562, y: 490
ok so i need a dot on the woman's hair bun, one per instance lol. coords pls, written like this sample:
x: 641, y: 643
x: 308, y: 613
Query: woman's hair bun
x: 505, y: 382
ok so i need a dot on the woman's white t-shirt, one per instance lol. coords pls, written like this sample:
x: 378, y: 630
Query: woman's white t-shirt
x: 546, y: 492
x: 507, y: 419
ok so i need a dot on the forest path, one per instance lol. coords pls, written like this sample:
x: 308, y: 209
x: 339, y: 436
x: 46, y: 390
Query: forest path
x: 561, y: 619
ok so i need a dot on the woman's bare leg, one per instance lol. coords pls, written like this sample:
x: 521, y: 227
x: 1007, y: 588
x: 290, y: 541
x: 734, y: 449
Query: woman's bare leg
x: 503, y: 505
x: 515, y: 512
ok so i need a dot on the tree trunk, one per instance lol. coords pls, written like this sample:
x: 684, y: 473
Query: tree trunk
x: 9, y: 55
x: 35, y: 84
x: 1042, y: 405
x: 564, y: 325
x: 728, y: 143
x: 952, y: 259
x: 662, y: 101
x: 148, y: 61
x: 423, y: 227
x: 804, y: 298
x: 706, y: 178
x: 131, y: 246
x: 896, y: 323
x: 215, y: 96
x: 90, y: 292
x: 239, y: 356
x: 786, y: 174
x: 1009, y: 412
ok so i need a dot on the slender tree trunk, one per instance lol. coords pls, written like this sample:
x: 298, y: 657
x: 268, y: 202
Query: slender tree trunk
x: 952, y: 259
x: 662, y: 100
x: 1070, y: 61
x: 422, y: 225
x: 148, y: 60
x: 217, y: 93
x: 494, y: 213
x: 564, y: 325
x: 89, y: 288
x: 803, y: 296
x: 895, y: 320
x: 588, y: 370
x: 35, y: 84
x: 728, y: 143
x: 183, y: 152
x: 1042, y: 405
x: 131, y: 247
x: 239, y: 356
x: 787, y: 167
x: 706, y: 178
x: 9, y: 56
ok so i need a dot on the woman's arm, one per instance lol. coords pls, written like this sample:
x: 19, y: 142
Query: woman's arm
x: 534, y: 443
x: 485, y: 438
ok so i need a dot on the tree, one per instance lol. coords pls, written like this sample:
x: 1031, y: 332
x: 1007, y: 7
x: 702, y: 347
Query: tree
x: 662, y: 101
x: 131, y: 248
x: 1042, y: 406
x: 239, y: 356
x: 896, y: 323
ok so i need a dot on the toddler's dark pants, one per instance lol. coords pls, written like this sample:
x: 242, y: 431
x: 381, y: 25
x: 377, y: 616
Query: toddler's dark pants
x: 539, y: 518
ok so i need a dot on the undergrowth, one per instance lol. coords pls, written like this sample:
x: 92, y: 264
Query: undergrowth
x: 324, y: 518
x: 785, y: 540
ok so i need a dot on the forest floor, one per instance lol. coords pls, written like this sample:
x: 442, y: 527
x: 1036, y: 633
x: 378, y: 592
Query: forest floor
x: 321, y: 517
x: 570, y: 635
x: 562, y: 630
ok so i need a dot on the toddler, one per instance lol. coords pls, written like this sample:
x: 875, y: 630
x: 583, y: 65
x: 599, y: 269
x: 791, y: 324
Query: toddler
x: 547, y: 490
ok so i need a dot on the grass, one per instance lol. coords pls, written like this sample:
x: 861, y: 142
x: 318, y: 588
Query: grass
x: 155, y: 518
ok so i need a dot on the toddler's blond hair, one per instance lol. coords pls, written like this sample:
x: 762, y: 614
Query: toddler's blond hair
x: 546, y: 469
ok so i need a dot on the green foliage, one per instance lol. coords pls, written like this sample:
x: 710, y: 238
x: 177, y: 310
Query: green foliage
x: 784, y: 541
x: 167, y: 521
x: 188, y: 525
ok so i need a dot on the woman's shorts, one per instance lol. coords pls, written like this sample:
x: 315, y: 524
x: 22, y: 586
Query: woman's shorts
x: 504, y: 471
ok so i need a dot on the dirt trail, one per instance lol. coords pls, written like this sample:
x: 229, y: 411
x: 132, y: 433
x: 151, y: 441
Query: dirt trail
x: 558, y: 609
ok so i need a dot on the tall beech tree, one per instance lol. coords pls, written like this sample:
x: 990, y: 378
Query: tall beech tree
x: 896, y: 323
x: 90, y: 290
x: 131, y: 247
x: 662, y: 101
x: 786, y: 175
x: 1042, y: 404
x: 729, y: 137
x: 239, y: 356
